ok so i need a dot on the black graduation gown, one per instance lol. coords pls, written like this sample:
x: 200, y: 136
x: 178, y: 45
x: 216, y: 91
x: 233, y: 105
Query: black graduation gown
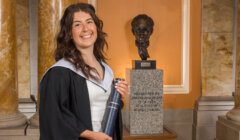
x: 64, y: 111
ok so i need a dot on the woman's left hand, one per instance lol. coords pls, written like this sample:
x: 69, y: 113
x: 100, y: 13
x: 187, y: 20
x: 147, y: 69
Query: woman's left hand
x: 122, y: 88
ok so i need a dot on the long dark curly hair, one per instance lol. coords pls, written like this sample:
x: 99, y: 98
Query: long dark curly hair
x: 65, y: 45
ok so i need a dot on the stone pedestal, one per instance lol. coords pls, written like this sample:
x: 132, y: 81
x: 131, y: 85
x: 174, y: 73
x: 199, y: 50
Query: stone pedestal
x: 227, y: 129
x: 10, y: 133
x: 206, y: 112
x: 144, y: 111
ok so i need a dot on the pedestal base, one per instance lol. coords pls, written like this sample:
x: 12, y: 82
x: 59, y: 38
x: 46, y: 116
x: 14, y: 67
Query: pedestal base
x: 13, y: 131
x: 166, y: 135
x: 206, y: 114
x: 32, y: 131
x: 12, y: 120
x: 234, y: 114
x: 227, y: 129
x: 34, y: 120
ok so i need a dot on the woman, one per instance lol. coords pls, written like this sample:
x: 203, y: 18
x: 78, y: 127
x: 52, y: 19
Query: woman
x: 74, y: 91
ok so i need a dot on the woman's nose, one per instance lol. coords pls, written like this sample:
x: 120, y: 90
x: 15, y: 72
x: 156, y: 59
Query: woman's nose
x: 85, y: 27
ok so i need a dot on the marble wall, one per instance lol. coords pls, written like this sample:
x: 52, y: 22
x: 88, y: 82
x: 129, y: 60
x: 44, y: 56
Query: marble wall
x: 23, y: 48
x: 217, y: 23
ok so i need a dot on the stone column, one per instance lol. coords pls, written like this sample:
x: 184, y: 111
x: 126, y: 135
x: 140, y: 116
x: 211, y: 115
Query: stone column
x: 49, y: 15
x: 216, y: 67
x: 228, y: 127
x: 9, y: 114
x: 234, y: 114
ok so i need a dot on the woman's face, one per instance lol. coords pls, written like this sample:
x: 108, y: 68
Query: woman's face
x: 84, y: 30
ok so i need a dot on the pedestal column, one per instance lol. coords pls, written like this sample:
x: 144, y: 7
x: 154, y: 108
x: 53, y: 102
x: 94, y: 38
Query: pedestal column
x: 49, y: 15
x: 144, y: 105
x: 9, y: 114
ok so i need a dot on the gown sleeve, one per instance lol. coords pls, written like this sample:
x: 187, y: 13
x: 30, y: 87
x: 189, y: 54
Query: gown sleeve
x: 57, y: 122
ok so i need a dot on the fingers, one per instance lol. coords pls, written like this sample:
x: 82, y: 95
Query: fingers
x: 101, y: 136
x: 108, y: 137
x: 91, y: 135
x: 122, y: 88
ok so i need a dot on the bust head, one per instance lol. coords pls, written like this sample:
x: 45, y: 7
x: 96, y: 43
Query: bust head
x: 142, y: 27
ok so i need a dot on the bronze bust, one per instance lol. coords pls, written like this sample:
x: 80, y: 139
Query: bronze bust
x: 142, y: 28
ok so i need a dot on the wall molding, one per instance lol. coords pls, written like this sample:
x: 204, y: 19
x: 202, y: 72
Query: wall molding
x: 183, y: 88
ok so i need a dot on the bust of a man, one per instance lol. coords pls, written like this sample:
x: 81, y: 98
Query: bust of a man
x: 142, y: 28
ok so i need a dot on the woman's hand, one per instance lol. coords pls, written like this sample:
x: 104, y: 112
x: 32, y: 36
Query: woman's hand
x: 122, y: 88
x: 94, y: 135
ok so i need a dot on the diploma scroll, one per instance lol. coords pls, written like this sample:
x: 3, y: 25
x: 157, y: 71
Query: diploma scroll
x: 113, y: 106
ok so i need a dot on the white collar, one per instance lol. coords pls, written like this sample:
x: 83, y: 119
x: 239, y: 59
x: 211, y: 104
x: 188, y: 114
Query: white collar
x: 105, y: 83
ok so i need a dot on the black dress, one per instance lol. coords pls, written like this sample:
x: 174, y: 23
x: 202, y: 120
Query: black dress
x: 65, y: 107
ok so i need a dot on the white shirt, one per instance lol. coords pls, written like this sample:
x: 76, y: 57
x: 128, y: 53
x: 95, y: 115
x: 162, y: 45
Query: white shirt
x: 98, y: 99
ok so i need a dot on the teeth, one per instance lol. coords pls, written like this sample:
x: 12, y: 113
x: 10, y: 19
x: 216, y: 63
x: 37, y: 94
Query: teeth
x: 86, y: 36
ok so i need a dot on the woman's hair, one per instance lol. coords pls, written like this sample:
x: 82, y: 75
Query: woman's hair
x: 65, y: 45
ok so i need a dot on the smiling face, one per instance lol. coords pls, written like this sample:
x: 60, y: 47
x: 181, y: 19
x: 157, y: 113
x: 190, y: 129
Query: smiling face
x: 84, y: 30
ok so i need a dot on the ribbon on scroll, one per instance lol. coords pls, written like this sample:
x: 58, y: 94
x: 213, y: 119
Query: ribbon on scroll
x: 113, y: 106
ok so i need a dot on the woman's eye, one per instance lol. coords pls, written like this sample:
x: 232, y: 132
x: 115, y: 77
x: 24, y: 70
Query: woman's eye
x: 90, y: 21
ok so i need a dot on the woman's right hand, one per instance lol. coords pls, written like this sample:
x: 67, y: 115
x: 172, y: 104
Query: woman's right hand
x: 94, y: 135
x: 100, y: 136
